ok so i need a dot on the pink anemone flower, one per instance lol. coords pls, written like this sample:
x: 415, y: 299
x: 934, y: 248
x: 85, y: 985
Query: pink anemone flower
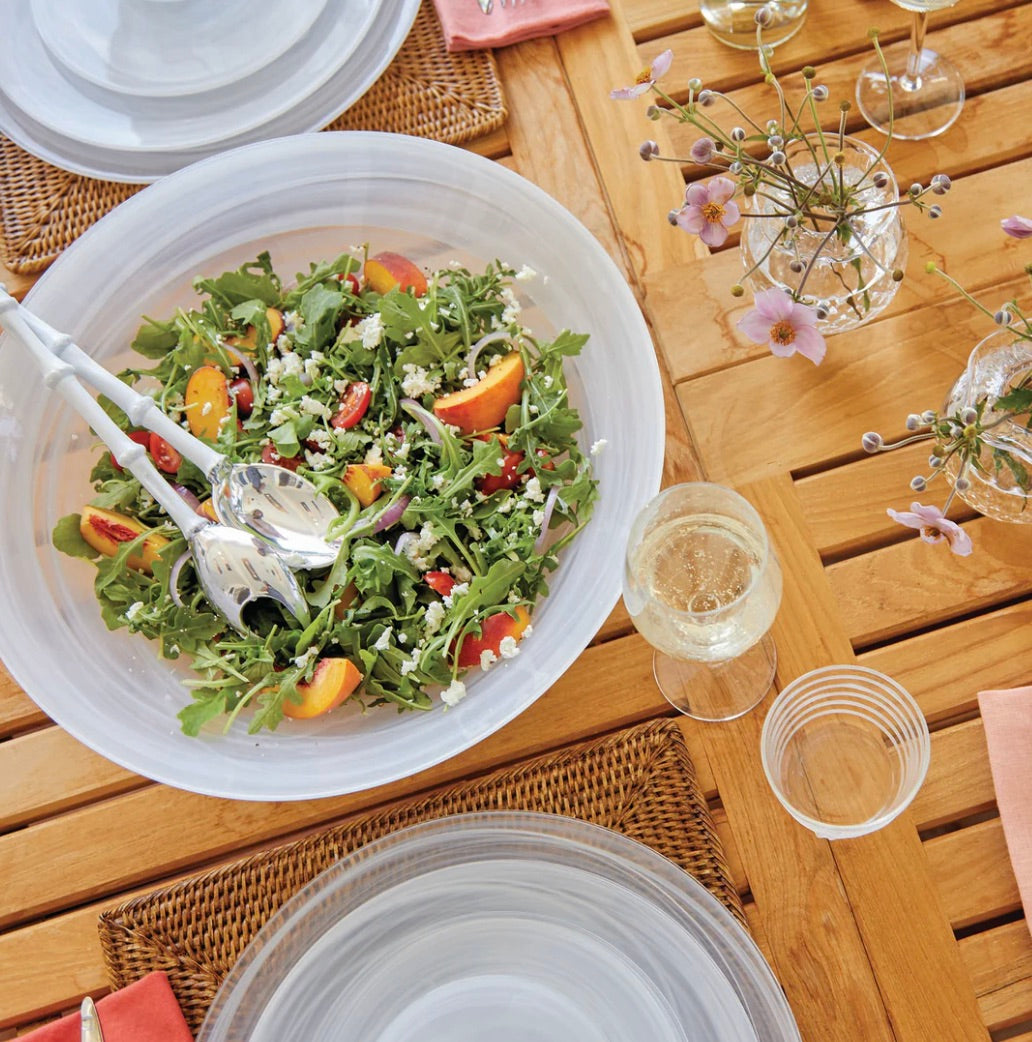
x: 646, y: 78
x: 934, y: 527
x: 787, y: 326
x: 1017, y: 227
x: 709, y: 210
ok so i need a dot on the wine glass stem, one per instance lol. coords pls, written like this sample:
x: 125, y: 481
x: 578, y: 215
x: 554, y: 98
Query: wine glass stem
x: 911, y: 79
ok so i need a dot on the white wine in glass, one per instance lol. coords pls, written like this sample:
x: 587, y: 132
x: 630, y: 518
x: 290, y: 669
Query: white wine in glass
x: 702, y: 586
x: 923, y: 93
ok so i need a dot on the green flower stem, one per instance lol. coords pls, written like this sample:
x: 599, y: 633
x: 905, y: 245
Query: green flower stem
x: 956, y: 285
x: 812, y: 261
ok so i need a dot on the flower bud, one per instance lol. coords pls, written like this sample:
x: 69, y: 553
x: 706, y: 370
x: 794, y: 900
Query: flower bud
x: 935, y: 462
x: 808, y: 72
x: 941, y: 184
x: 821, y: 311
x: 777, y: 158
x: 648, y: 150
x: 968, y: 415
x: 871, y: 441
x: 737, y: 290
x: 913, y: 422
x: 820, y: 92
x: 775, y: 141
x: 749, y: 190
x: 930, y: 268
x: 654, y: 112
x: 880, y: 179
x: 737, y: 134
x: 672, y: 217
x: 873, y: 34
x: 796, y: 265
x: 839, y: 158
x: 915, y: 189
x: 1002, y: 317
x: 962, y: 484
x: 791, y: 221
x: 695, y: 84
x: 935, y: 211
x: 764, y: 16
x: 918, y: 483
x: 735, y: 167
x: 897, y: 274
x: 703, y: 150
x: 929, y: 416
x: 706, y: 98
x: 844, y: 106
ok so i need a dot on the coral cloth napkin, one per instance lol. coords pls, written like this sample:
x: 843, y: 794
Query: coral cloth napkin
x: 146, y: 1011
x: 467, y: 28
x: 1007, y: 718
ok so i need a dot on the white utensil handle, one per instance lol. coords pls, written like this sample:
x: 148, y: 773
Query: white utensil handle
x: 141, y: 410
x: 62, y: 377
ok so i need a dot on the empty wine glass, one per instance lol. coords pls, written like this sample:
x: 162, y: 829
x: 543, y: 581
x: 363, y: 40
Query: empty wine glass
x: 702, y: 586
x: 923, y: 92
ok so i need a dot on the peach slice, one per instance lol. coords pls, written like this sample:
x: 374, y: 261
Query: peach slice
x: 106, y: 530
x: 485, y: 404
x: 493, y: 630
x: 364, y: 480
x: 207, y: 509
x: 333, y: 680
x: 249, y: 340
x: 207, y: 401
x: 387, y: 270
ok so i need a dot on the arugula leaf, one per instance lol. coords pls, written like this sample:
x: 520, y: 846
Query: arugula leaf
x: 254, y: 281
x: 155, y: 339
x: 67, y: 538
x: 1016, y: 400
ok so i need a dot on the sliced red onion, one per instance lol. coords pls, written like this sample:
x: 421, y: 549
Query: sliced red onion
x: 404, y: 540
x: 173, y: 578
x: 474, y: 351
x: 427, y: 419
x: 240, y: 359
x: 188, y: 497
x: 392, y: 515
x: 553, y: 495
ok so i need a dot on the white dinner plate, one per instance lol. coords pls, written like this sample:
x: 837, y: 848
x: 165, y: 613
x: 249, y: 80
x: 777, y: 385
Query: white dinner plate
x: 305, y: 198
x: 502, y: 927
x: 84, y: 128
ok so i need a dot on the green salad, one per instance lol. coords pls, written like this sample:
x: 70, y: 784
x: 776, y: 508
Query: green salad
x: 437, y: 425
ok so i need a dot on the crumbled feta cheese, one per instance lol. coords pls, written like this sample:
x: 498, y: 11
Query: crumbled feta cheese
x: 598, y: 446
x: 504, y: 508
x: 437, y: 480
x: 371, y: 330
x: 133, y: 610
x: 340, y: 386
x: 508, y: 648
x: 433, y: 617
x: 283, y: 344
x: 282, y: 415
x: 321, y: 438
x: 537, y: 517
x: 317, y: 460
x: 311, y: 368
x: 525, y: 274
x: 487, y: 659
x: 290, y: 319
x: 462, y: 573
x: 417, y: 381
x: 546, y: 380
x: 454, y: 693
x: 146, y: 499
x: 401, y: 638
x: 402, y: 450
x: 302, y: 660
x: 532, y: 491
x: 384, y: 640
x: 408, y: 666
x: 458, y: 590
x: 314, y: 407
x: 273, y: 394
x: 374, y: 455
x: 512, y: 307
x: 206, y: 408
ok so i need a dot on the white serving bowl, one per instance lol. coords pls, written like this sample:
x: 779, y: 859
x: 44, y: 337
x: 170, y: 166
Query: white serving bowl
x: 306, y: 198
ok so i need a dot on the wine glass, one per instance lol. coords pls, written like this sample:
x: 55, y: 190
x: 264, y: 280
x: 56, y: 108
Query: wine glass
x: 923, y: 92
x: 702, y: 586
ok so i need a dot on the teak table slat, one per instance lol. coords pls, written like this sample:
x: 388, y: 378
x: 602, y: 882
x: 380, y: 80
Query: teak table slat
x: 913, y: 934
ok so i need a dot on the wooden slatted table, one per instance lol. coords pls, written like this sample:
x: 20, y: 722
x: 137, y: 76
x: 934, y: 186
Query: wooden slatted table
x: 914, y: 934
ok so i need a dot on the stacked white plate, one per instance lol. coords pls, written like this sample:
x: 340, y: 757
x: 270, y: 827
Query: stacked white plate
x: 502, y: 927
x: 130, y: 90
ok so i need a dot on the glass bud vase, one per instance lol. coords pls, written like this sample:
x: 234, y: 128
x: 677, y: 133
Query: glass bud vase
x: 847, y: 275
x: 999, y: 476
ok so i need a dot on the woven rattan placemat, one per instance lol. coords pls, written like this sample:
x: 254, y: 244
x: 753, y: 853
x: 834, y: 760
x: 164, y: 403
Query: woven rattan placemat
x: 425, y: 91
x: 640, y: 782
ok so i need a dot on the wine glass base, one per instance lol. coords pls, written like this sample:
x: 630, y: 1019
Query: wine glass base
x: 922, y: 107
x: 718, y: 691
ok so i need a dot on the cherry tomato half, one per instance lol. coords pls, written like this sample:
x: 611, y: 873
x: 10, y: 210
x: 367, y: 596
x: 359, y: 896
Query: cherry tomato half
x: 165, y: 457
x: 241, y: 391
x: 439, y: 582
x: 353, y: 405
x: 352, y: 281
x: 141, y: 438
x: 270, y: 455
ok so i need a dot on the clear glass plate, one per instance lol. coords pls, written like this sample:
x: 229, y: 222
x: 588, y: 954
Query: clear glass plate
x: 81, y: 127
x: 163, y: 48
x: 305, y: 198
x: 509, y: 927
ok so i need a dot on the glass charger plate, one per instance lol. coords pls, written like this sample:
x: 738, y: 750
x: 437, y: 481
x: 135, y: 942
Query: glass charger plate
x: 502, y: 926
x: 305, y: 198
x: 80, y: 127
